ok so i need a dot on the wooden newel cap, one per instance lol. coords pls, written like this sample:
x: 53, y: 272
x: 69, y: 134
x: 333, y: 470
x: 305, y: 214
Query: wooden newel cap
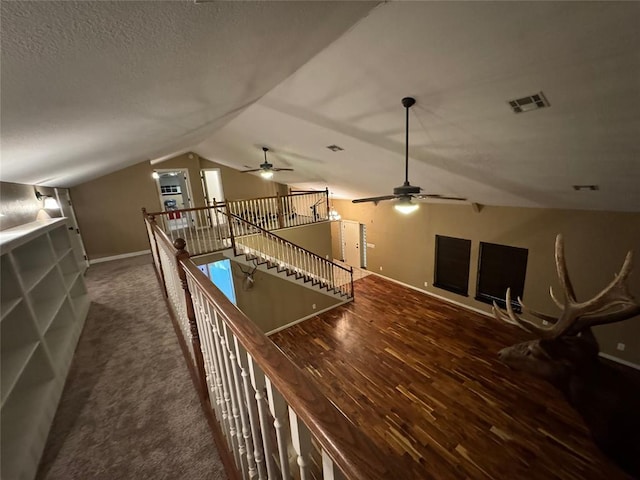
x: 179, y: 243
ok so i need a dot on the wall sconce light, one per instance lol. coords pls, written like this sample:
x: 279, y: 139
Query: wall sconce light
x: 50, y: 203
x: 155, y: 175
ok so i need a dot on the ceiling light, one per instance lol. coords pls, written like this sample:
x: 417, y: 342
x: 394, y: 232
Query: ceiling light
x: 155, y: 175
x: 404, y: 205
x: 526, y: 104
x: 266, y: 174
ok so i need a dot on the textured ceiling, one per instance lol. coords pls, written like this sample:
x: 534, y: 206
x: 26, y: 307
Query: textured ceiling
x: 92, y: 87
x: 462, y: 61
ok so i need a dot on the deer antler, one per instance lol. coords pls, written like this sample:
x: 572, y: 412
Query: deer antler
x: 613, y: 304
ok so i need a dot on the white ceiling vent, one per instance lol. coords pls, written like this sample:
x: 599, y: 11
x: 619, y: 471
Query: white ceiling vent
x: 526, y: 104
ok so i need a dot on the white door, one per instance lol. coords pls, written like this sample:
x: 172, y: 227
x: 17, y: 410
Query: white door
x: 212, y: 183
x: 350, y: 235
x: 66, y: 208
x: 212, y: 186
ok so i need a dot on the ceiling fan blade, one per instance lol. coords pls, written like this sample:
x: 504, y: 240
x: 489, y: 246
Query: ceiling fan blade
x: 276, y: 169
x: 438, y: 196
x: 248, y: 171
x: 374, y: 199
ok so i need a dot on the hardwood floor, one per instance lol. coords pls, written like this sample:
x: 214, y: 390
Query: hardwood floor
x: 422, y: 378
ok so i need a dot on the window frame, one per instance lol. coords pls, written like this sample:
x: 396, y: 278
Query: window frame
x: 457, y: 289
x: 516, y: 291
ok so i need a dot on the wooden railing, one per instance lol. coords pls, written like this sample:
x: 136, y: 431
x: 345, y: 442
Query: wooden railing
x: 206, y: 228
x: 254, y: 242
x: 273, y: 421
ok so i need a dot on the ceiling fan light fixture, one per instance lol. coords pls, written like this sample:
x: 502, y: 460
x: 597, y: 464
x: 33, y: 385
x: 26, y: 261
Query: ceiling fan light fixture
x: 406, y: 206
x: 266, y: 174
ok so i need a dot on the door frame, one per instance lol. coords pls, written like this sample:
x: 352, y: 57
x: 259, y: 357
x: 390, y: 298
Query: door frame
x: 358, y: 244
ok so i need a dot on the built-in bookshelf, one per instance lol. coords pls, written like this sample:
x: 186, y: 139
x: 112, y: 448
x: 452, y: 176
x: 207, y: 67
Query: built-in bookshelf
x: 43, y: 306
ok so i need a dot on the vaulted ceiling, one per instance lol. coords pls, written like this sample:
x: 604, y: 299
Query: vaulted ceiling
x: 91, y: 87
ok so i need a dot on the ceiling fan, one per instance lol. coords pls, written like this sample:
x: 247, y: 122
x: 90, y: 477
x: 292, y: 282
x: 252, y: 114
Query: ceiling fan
x: 405, y: 192
x: 266, y: 169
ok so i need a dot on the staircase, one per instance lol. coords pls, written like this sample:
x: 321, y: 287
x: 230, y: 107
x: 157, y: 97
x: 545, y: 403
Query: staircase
x: 255, y: 246
x: 218, y: 229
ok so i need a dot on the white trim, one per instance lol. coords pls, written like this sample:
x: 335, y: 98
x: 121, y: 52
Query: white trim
x: 431, y: 294
x: 619, y: 360
x: 291, y: 324
x: 118, y: 257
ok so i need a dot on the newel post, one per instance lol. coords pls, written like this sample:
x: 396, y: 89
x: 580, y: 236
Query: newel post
x: 327, y: 199
x: 230, y: 221
x: 153, y: 243
x: 183, y: 255
x: 280, y: 212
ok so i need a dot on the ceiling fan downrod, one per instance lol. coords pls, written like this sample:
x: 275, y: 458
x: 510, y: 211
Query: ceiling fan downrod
x: 407, y: 102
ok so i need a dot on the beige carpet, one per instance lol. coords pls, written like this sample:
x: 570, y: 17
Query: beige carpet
x: 129, y: 409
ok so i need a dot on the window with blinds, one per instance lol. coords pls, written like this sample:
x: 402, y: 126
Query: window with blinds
x: 501, y: 267
x: 452, y: 264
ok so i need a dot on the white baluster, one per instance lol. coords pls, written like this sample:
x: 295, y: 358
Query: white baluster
x: 235, y: 408
x: 329, y: 469
x: 252, y: 409
x: 218, y: 399
x: 230, y: 423
x: 236, y: 367
x: 301, y: 440
x: 258, y: 381
x: 278, y: 408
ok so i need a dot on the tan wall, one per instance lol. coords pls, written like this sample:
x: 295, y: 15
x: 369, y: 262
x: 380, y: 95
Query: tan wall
x: 240, y: 186
x: 19, y: 205
x: 109, y: 211
x: 336, y: 250
x: 109, y: 208
x: 315, y: 237
x: 595, y: 243
x: 273, y: 301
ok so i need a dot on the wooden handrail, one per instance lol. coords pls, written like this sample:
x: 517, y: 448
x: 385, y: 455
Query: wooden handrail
x: 355, y: 454
x: 226, y: 202
x: 298, y: 247
x: 193, y: 209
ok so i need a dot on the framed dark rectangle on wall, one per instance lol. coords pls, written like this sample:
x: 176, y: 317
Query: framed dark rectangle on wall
x: 451, y: 268
x: 501, y: 267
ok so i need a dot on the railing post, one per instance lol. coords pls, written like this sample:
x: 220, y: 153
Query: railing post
x: 183, y: 255
x: 230, y: 221
x: 151, y: 219
x: 279, y: 210
x: 327, y: 199
x: 351, y: 272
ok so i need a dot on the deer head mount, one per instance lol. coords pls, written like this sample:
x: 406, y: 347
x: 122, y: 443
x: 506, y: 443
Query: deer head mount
x: 249, y: 280
x: 566, y: 354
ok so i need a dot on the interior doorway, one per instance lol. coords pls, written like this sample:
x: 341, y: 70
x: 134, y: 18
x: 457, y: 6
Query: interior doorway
x: 212, y: 186
x: 350, y: 241
x: 175, y: 194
